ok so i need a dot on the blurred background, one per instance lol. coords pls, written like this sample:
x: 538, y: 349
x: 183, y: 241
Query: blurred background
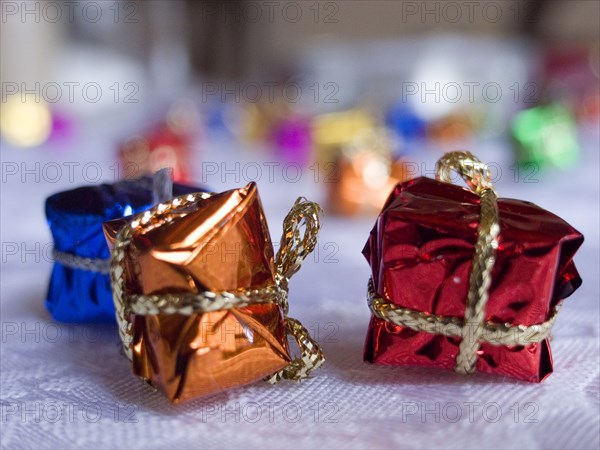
x: 333, y: 100
x: 345, y: 97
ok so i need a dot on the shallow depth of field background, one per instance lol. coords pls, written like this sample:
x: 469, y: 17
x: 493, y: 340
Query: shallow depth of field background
x: 250, y: 85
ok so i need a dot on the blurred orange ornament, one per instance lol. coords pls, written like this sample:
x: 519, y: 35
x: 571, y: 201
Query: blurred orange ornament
x: 365, y: 174
x: 156, y: 149
x: 453, y: 130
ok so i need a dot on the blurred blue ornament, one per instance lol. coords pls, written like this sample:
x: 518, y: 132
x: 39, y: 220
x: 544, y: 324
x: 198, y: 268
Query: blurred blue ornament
x: 406, y: 124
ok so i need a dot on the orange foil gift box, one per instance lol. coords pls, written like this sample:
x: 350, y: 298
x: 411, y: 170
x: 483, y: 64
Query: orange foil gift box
x: 201, y: 301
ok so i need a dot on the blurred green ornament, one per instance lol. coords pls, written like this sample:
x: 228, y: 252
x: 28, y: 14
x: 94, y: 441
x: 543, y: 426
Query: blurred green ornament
x: 546, y: 136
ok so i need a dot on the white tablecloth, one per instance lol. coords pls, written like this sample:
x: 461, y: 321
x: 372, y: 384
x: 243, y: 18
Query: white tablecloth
x: 67, y: 386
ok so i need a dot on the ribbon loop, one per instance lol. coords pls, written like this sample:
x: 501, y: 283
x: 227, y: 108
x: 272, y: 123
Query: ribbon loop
x: 476, y: 174
x: 311, y: 357
x: 294, y: 246
x: 293, y: 249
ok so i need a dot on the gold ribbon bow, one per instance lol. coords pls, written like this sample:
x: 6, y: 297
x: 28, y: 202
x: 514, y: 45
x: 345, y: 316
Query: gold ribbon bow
x: 295, y: 246
x: 473, y: 329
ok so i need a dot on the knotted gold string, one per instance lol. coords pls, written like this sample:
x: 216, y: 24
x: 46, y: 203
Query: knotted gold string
x: 473, y: 329
x: 294, y: 248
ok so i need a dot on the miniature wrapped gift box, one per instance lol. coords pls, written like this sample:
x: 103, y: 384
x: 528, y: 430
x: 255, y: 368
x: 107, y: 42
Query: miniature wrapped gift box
x: 79, y: 288
x: 463, y: 280
x: 200, y: 300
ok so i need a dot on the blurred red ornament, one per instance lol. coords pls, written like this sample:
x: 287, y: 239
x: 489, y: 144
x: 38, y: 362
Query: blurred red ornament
x: 167, y: 144
x: 158, y: 148
x: 571, y: 76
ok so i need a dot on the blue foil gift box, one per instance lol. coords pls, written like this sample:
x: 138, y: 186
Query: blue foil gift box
x: 80, y: 288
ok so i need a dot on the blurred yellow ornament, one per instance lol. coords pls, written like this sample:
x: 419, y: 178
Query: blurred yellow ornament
x: 25, y: 123
x: 331, y: 132
x: 252, y: 121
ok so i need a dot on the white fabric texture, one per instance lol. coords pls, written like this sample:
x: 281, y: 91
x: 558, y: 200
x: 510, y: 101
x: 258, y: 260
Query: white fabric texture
x: 68, y: 386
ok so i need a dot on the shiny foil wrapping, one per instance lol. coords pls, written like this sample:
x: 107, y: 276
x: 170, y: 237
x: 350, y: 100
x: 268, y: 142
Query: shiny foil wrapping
x: 221, y: 244
x: 420, y: 252
x: 75, y: 219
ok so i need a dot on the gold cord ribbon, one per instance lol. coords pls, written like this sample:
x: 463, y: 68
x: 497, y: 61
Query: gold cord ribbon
x: 74, y: 261
x: 294, y: 249
x: 473, y: 329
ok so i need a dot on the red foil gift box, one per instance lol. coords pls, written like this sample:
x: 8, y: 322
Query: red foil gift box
x: 421, y: 252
